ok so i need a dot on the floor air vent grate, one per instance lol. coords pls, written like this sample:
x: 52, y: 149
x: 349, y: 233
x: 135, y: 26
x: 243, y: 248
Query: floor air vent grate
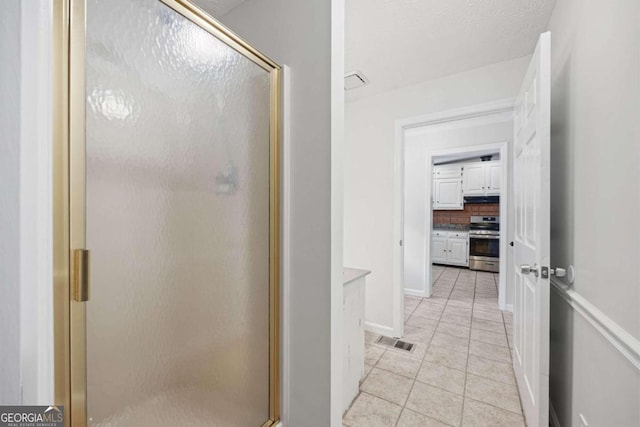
x: 403, y: 345
x: 392, y: 342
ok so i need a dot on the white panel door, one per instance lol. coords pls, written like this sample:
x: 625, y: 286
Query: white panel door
x: 439, y: 250
x: 457, y: 251
x: 493, y: 175
x: 448, y: 193
x: 474, y: 180
x: 531, y: 188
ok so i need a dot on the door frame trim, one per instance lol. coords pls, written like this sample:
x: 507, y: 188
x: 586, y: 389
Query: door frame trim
x: 69, y: 21
x: 400, y: 126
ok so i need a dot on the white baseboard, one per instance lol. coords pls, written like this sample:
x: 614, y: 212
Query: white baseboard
x: 553, y: 418
x: 414, y: 293
x: 508, y: 307
x: 387, y: 331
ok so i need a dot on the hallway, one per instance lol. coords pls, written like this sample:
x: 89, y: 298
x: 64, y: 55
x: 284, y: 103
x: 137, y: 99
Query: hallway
x: 459, y: 372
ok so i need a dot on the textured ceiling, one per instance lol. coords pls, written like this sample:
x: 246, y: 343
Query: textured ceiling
x: 401, y: 42
x: 218, y: 8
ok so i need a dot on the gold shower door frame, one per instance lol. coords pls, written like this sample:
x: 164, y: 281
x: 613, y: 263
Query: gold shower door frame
x: 69, y: 208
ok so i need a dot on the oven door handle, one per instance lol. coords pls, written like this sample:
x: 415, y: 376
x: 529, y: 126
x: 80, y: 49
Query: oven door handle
x: 485, y: 236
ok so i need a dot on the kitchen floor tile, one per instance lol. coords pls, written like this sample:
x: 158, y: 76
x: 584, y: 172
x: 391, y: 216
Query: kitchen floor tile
x: 415, y: 334
x: 486, y: 315
x: 460, y: 303
x: 489, y: 337
x: 487, y: 325
x: 446, y: 357
x: 387, y: 385
x: 372, y: 353
x: 453, y: 329
x: 421, y: 322
x: 478, y: 414
x: 370, y: 411
x: 427, y: 313
x: 497, y: 371
x: 490, y: 351
x: 399, y: 363
x: 455, y: 319
x: 436, y: 403
x: 501, y: 395
x: 443, y: 377
x: 450, y: 341
x: 410, y: 418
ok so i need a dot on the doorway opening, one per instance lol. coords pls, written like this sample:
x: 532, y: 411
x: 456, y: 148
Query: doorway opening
x: 424, y: 144
x: 465, y: 228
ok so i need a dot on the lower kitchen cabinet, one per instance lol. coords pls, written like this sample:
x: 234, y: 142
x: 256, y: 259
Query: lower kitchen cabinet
x: 450, y: 248
x: 439, y: 250
x: 458, y: 252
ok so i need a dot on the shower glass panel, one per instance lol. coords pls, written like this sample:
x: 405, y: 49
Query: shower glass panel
x: 177, y: 221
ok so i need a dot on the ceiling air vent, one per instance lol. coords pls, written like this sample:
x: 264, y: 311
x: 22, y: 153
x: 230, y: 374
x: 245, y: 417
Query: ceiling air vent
x: 354, y: 80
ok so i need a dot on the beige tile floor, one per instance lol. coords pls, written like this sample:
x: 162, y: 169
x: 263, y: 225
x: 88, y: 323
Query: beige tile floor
x: 460, y: 372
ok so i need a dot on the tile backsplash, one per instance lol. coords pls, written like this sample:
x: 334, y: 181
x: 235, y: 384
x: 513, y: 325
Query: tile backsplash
x: 464, y: 216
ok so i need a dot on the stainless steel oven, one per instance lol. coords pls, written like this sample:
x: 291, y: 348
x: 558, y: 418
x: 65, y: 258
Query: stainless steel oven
x: 484, y: 243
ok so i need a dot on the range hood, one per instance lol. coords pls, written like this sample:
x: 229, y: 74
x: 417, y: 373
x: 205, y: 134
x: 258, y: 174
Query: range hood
x: 482, y: 199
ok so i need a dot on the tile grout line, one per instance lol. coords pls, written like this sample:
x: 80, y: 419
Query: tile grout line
x: 466, y: 367
x: 425, y: 353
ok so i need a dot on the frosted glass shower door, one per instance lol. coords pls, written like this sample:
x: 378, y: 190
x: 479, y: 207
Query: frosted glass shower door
x: 179, y: 220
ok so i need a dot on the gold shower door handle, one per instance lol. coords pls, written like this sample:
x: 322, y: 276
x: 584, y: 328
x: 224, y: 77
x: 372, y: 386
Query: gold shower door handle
x: 80, y: 275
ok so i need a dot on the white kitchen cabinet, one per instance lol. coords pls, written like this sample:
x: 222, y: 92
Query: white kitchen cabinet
x: 439, y: 249
x: 474, y: 179
x: 494, y: 173
x: 447, y: 194
x: 448, y: 171
x: 450, y: 247
x: 482, y: 178
x: 457, y: 251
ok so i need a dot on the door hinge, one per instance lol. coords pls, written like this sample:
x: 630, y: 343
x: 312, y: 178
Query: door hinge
x: 80, y: 275
x: 400, y: 242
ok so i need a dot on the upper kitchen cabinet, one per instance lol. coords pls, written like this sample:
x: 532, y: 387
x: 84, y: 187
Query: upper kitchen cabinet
x: 474, y: 179
x: 447, y: 187
x: 482, y: 178
x: 448, y: 194
x: 448, y: 171
x: 494, y: 172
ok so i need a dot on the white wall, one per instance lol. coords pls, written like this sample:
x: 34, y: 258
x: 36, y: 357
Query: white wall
x: 36, y: 269
x: 595, y: 209
x: 299, y: 34
x: 10, y: 202
x: 490, y: 129
x: 26, y: 304
x: 369, y: 165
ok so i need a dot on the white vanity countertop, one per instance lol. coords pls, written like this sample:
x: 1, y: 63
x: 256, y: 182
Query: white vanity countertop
x: 351, y: 274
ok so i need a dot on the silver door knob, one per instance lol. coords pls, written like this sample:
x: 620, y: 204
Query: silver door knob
x: 526, y: 269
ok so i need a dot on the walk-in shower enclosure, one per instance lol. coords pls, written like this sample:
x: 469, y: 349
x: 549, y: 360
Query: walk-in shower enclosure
x: 167, y: 267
